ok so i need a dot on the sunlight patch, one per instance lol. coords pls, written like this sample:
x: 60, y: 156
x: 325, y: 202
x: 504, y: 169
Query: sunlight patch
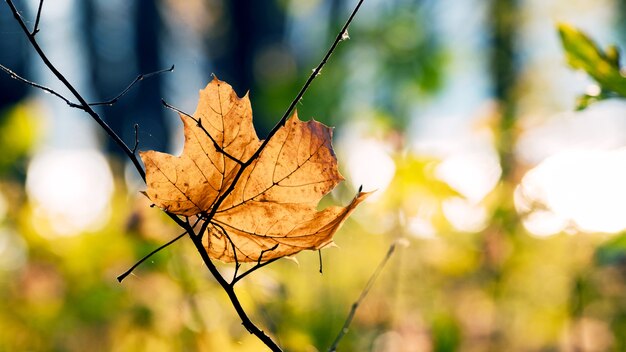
x: 472, y: 174
x: 370, y: 165
x: 464, y: 215
x: 575, y: 191
x: 70, y: 190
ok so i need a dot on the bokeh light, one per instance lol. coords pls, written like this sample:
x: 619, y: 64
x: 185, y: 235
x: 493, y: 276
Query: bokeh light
x: 70, y: 190
x: 461, y: 115
x: 13, y: 250
x: 473, y: 175
x: 465, y: 215
x: 369, y: 165
x: 584, y: 188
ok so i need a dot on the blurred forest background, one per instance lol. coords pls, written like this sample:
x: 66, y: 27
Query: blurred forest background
x: 461, y: 114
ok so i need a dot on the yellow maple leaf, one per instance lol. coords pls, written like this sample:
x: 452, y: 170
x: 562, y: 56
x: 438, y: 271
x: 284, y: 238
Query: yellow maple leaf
x: 270, y: 212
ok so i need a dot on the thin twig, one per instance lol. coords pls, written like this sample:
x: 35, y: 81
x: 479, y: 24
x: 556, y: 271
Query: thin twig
x: 340, y: 37
x: 136, y: 138
x: 198, y: 122
x: 173, y: 108
x: 319, y: 253
x: 130, y: 270
x: 217, y: 146
x: 258, y: 262
x: 36, y: 27
x: 197, y: 240
x: 15, y: 76
x: 229, y: 289
x: 287, y: 113
x: 253, y: 269
x: 195, y: 237
x: 366, y: 290
x: 83, y: 105
x: 140, y: 77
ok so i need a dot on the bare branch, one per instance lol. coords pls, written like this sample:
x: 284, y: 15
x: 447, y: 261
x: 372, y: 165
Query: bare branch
x: 136, y: 138
x: 36, y: 27
x: 257, y: 266
x: 140, y: 77
x: 229, y: 289
x: 173, y: 108
x: 82, y: 103
x: 366, y: 290
x: 282, y: 121
x: 258, y: 262
x: 253, y: 329
x: 189, y: 228
x: 39, y: 86
x: 130, y: 270
x: 340, y: 37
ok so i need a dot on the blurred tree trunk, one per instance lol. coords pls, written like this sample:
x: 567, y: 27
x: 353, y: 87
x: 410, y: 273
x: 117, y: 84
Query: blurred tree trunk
x: 248, y: 28
x: 503, y: 21
x: 14, y: 53
x: 149, y: 112
x: 122, y: 41
x: 505, y: 223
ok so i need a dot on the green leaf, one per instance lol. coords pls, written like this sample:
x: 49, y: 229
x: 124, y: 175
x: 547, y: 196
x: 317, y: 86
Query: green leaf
x: 583, y: 101
x: 584, y: 54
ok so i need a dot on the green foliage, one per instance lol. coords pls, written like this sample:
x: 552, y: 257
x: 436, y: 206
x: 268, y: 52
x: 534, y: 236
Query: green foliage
x: 602, y: 282
x: 602, y: 65
x: 491, y: 289
x: 446, y: 334
x: 19, y: 129
x: 395, y: 61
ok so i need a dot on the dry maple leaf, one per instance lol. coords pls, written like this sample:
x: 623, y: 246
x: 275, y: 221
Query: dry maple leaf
x: 271, y: 210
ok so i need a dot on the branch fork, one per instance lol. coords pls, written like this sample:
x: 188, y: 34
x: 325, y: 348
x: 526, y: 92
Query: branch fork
x: 183, y: 222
